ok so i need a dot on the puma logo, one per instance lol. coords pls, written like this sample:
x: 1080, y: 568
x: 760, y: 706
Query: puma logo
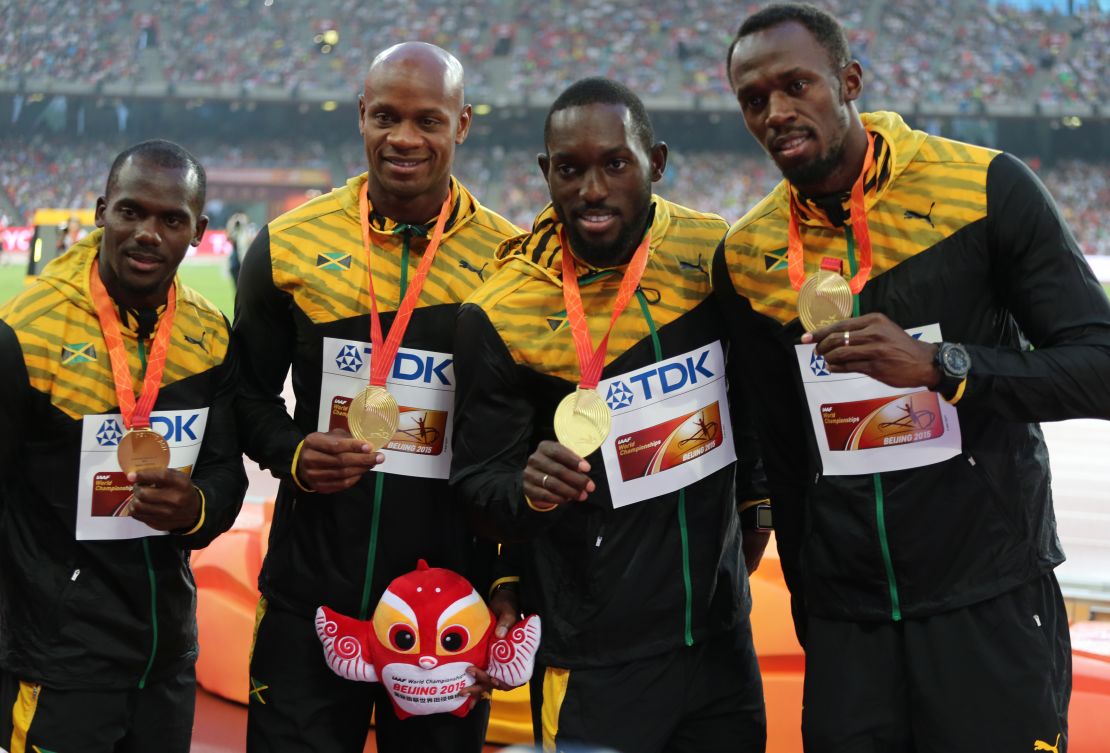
x: 928, y: 216
x: 1042, y: 745
x: 471, y: 268
x: 700, y: 266
x: 199, y: 342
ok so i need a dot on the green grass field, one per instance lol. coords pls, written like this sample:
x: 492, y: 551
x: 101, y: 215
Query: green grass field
x: 210, y: 279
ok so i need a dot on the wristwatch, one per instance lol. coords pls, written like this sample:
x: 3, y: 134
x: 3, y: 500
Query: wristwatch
x: 757, y: 518
x: 954, y: 363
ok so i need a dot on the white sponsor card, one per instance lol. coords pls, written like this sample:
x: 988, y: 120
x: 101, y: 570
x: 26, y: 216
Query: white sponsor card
x: 423, y: 383
x: 864, y: 426
x: 103, y: 492
x: 671, y: 425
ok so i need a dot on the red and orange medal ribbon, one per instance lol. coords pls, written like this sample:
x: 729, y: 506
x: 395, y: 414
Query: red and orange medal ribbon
x: 795, y: 251
x: 373, y: 414
x: 382, y: 355
x: 141, y: 448
x: 591, y: 361
x: 582, y: 419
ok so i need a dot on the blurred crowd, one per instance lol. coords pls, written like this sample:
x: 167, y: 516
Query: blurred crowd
x: 925, y: 51
x: 62, y: 173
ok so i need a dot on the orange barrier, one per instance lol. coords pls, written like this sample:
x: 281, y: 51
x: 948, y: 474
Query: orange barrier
x: 226, y: 573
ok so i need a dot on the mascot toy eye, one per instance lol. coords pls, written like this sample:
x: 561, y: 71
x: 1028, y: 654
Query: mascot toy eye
x: 428, y: 627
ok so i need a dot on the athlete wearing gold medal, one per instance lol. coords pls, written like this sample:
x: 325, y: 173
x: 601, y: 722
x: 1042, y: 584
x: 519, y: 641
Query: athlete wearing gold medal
x: 98, y: 527
x: 374, y: 414
x: 349, y: 293
x: 563, y: 398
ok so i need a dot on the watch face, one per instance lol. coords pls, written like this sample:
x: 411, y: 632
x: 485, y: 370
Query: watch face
x: 956, y: 361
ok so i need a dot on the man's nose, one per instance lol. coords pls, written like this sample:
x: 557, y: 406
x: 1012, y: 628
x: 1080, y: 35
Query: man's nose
x: 594, y: 187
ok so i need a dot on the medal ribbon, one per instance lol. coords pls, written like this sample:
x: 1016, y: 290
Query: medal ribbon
x: 590, y: 361
x: 795, y: 262
x: 382, y: 355
x: 136, y: 414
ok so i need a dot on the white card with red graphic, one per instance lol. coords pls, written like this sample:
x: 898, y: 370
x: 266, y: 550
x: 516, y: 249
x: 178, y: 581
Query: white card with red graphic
x: 671, y: 425
x: 103, y: 491
x: 422, y: 382
x: 864, y: 426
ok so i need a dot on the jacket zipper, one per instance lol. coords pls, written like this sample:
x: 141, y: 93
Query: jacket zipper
x: 876, y: 478
x: 150, y: 576
x: 379, y: 478
x: 688, y: 612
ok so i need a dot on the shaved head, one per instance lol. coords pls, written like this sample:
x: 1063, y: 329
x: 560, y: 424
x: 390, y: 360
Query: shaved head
x: 419, y: 58
x: 412, y: 115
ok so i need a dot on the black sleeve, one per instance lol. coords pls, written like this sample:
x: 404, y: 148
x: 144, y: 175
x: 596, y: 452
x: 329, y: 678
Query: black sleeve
x: 15, y: 386
x: 492, y: 431
x: 1044, y: 282
x: 219, y: 471
x: 265, y: 336
x: 763, y: 365
x: 751, y: 480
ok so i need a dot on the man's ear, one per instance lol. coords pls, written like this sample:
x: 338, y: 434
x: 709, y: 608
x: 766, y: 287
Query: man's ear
x: 658, y: 160
x: 544, y: 162
x: 851, y: 81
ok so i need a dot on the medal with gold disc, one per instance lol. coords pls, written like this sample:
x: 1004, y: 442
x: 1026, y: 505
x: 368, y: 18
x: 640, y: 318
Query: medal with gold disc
x: 582, y: 419
x: 826, y: 297
x: 141, y: 448
x: 373, y: 414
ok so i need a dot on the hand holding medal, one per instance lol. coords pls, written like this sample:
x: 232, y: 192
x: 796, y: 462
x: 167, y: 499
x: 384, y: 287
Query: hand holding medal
x: 162, y: 498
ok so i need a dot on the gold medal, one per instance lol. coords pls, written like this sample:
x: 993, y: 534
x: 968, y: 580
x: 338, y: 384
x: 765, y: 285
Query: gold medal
x: 143, y: 450
x: 824, y: 298
x: 373, y: 416
x: 582, y: 421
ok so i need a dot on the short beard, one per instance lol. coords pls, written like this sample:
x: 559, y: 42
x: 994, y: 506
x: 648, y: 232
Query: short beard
x: 607, y: 254
x: 815, y: 172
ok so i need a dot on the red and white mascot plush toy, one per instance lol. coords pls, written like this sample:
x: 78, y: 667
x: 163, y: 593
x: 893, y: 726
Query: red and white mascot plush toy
x: 428, y: 627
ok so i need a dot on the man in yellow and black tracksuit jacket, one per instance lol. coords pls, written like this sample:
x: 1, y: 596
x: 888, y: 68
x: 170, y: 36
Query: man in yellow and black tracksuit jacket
x: 304, y: 301
x: 101, y: 629
x: 929, y: 592
x: 639, y: 600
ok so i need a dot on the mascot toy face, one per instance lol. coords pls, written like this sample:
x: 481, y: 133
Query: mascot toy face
x: 428, y: 627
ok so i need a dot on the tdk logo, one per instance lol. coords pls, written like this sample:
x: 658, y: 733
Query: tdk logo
x: 407, y: 367
x: 349, y: 359
x: 672, y: 376
x: 109, y: 434
x: 413, y: 368
x: 175, y: 428
x: 619, y: 396
x: 817, y: 365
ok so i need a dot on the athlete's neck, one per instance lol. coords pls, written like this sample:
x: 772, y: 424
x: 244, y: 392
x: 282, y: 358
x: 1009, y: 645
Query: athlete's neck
x: 413, y: 210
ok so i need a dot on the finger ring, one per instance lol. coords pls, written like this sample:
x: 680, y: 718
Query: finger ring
x: 847, y: 336
x: 486, y: 695
x: 543, y: 483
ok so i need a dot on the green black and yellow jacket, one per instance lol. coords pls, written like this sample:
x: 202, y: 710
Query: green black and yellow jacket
x: 305, y: 279
x: 968, y: 238
x: 612, y: 585
x: 100, y: 614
